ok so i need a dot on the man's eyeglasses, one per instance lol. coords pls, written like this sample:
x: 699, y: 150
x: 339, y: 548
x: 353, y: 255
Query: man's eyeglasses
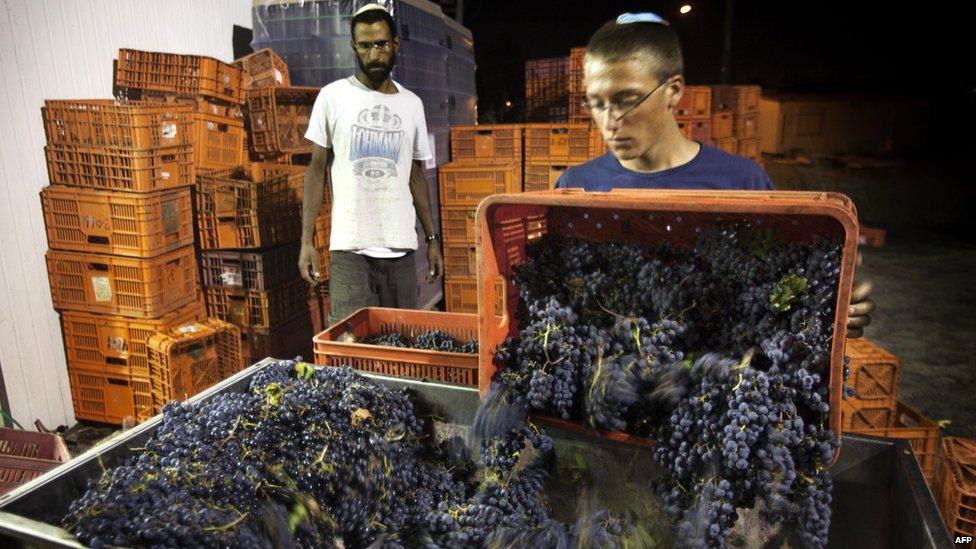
x: 382, y: 46
x: 620, y: 109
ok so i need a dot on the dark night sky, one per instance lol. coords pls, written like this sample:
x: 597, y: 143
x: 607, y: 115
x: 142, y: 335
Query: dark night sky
x: 825, y: 46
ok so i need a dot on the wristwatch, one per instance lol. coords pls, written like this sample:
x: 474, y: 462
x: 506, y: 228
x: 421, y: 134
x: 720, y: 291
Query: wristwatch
x: 432, y: 237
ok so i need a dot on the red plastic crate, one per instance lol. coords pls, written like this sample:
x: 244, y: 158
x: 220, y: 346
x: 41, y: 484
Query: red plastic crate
x: 461, y: 368
x: 506, y: 224
x: 468, y: 184
x: 487, y: 142
x: 117, y: 344
x: 111, y: 123
x: 257, y: 308
x: 279, y: 118
x: 25, y: 455
x: 695, y: 103
x: 190, y: 358
x: 129, y: 224
x: 116, y: 285
x: 123, y: 169
x: 955, y: 485
x: 185, y: 75
x: 108, y: 397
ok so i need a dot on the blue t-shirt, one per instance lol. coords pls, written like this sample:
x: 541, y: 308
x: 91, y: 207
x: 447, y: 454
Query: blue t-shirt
x: 711, y: 168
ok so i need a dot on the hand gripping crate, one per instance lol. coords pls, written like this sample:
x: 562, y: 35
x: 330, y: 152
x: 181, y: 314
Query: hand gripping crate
x: 218, y: 141
x: 921, y: 432
x: 129, y: 224
x: 117, y: 344
x: 121, y: 169
x: 25, y: 455
x: 464, y: 184
x: 562, y: 142
x: 955, y: 485
x: 507, y: 223
x: 257, y: 308
x: 109, y: 397
x: 695, y: 103
x: 875, y: 373
x: 279, y: 117
x: 251, y: 270
x: 190, y: 358
x: 487, y: 142
x: 111, y: 123
x: 263, y: 69
x: 185, y: 75
x: 460, y: 368
x: 133, y: 287
x: 254, y: 208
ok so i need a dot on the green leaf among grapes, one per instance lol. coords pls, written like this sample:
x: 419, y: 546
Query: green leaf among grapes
x: 789, y: 289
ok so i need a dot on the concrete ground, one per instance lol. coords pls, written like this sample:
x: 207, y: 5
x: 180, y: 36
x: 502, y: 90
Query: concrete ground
x: 924, y: 277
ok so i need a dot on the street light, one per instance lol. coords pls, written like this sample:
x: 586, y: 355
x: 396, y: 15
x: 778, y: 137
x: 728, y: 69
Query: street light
x: 685, y: 9
x: 508, y: 104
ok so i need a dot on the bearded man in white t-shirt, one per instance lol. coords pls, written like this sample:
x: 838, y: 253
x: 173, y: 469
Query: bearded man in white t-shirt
x: 371, y: 134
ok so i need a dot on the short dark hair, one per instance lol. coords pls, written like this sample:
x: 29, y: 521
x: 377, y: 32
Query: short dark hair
x: 369, y: 17
x: 658, y: 43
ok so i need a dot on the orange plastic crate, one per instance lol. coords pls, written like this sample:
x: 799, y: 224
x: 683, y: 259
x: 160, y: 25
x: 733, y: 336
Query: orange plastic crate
x: 123, y: 169
x: 866, y: 414
x: 875, y: 373
x: 286, y: 340
x: 217, y: 141
x: 133, y: 287
x: 955, y: 485
x: 107, y: 397
x: 542, y: 176
x: 251, y: 270
x: 129, y: 224
x: 507, y: 223
x: 722, y: 127
x: 487, y: 142
x: 185, y: 75
x: 461, y: 368
x: 460, y: 258
x: 319, y: 307
x: 25, y: 455
x: 576, y: 57
x: 263, y: 69
x: 921, y: 432
x: 468, y: 184
x: 111, y: 123
x: 745, y: 126
x: 695, y: 103
x: 253, y: 208
x: 562, y: 142
x: 190, y: 358
x: 257, y: 308
x: 701, y: 131
x: 118, y: 344
x: 279, y: 118
x: 738, y: 98
x: 728, y: 144
x: 748, y: 148
x: 457, y: 222
x: 579, y: 113
x: 461, y: 295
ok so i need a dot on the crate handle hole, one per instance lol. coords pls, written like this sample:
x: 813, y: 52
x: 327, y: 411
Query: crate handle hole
x: 98, y: 240
x: 114, y: 381
x: 98, y: 267
x: 116, y: 361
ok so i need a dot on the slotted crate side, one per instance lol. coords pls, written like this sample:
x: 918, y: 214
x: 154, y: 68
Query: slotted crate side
x: 695, y: 103
x: 279, y: 118
x: 135, y: 170
x: 489, y: 142
x: 738, y: 98
x: 955, y: 485
x: 111, y: 123
x: 464, y: 184
x: 921, y: 432
x: 866, y: 414
x: 401, y: 362
x: 576, y: 56
x: 191, y: 358
x: 133, y: 287
x: 323, y: 227
x: 745, y: 126
x: 258, y: 309
x: 701, y: 131
x: 105, y: 397
x: 118, y: 344
x: 286, y: 340
x: 25, y: 455
x: 218, y: 141
x: 461, y: 295
x: 263, y: 68
x: 460, y: 258
x: 875, y: 372
x: 134, y: 225
x: 722, y: 126
x: 258, y: 270
x: 457, y: 223
x: 319, y: 306
x: 186, y: 75
x: 542, y: 176
x: 562, y: 142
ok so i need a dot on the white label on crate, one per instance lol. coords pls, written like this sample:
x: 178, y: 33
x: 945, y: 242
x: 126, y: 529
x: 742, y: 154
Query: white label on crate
x: 164, y: 175
x: 169, y: 131
x: 279, y: 77
x: 431, y: 162
x: 102, y: 287
x: 211, y: 126
x: 188, y: 329
x: 232, y: 277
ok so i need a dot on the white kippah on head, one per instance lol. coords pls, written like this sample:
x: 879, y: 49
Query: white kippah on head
x: 369, y: 7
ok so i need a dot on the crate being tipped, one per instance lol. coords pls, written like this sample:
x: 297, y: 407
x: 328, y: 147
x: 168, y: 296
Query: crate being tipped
x: 625, y: 287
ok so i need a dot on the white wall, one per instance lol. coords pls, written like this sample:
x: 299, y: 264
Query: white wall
x: 63, y: 49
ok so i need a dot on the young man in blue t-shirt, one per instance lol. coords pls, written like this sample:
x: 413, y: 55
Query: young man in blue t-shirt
x: 633, y: 70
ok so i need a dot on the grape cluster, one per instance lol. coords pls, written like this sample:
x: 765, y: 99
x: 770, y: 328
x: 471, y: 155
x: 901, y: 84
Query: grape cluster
x: 433, y: 340
x: 720, y: 351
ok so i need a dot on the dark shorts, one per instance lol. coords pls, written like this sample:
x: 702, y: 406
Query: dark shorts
x: 357, y: 281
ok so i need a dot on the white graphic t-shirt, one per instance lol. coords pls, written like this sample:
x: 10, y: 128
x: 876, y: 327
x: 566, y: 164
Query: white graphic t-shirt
x: 375, y: 137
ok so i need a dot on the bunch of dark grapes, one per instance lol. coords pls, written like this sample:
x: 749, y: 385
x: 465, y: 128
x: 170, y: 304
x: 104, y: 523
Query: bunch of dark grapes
x: 433, y: 340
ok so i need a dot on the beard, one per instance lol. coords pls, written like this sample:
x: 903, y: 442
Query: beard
x: 377, y: 73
